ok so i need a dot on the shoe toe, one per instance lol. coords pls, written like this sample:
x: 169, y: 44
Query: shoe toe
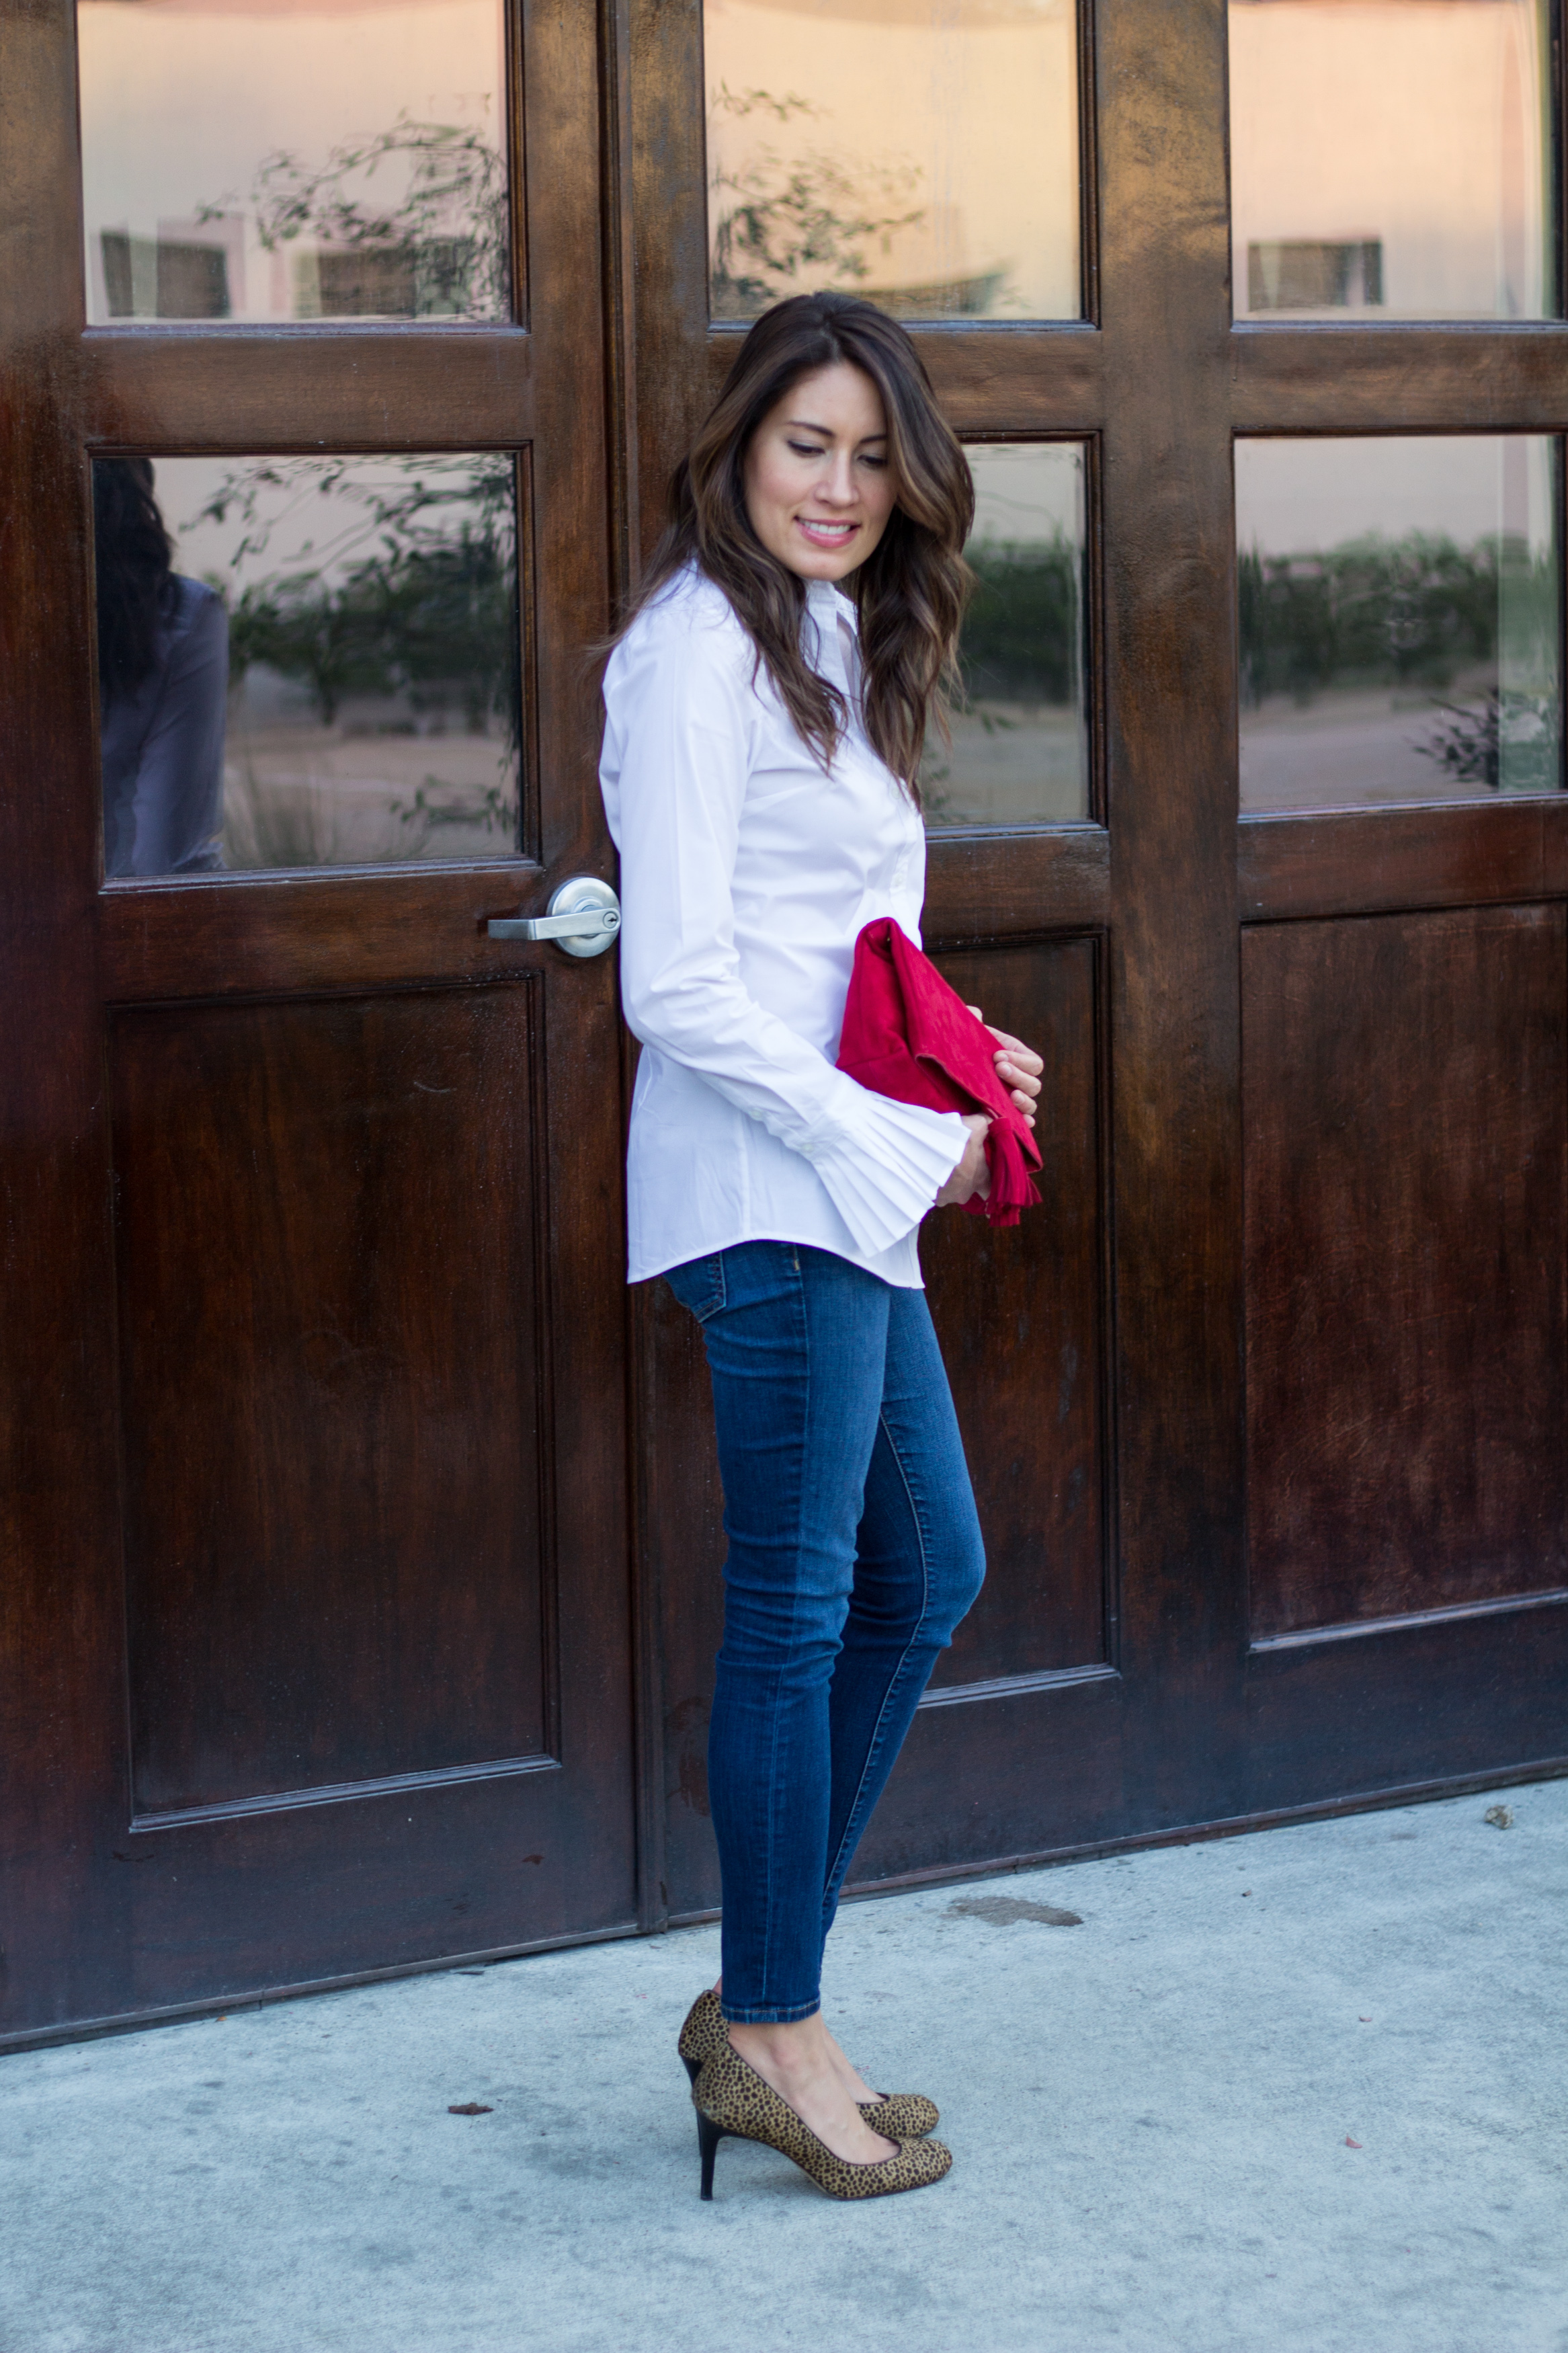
x: 903, y: 2116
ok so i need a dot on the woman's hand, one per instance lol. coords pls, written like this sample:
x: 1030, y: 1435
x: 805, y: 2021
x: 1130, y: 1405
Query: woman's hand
x: 1018, y: 1066
x: 972, y: 1173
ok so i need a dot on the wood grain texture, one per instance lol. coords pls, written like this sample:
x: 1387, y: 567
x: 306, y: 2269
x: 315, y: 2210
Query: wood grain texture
x: 1168, y: 636
x: 992, y: 885
x: 1426, y: 1701
x: 306, y: 388
x: 683, y: 1541
x: 1361, y: 862
x: 1018, y: 1775
x: 62, y: 1663
x: 244, y: 937
x: 669, y: 225
x: 1002, y: 377
x: 1399, y: 378
x: 1021, y: 1317
x: 335, y: 1433
x: 1406, y: 1152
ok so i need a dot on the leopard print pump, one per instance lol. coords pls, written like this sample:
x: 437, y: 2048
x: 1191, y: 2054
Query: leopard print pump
x: 896, y: 2115
x: 731, y: 2098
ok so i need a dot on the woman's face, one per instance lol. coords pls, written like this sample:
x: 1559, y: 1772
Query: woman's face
x: 819, y: 490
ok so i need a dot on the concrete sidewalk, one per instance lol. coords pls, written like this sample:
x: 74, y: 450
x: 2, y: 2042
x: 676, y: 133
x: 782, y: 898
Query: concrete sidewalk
x: 1285, y: 2094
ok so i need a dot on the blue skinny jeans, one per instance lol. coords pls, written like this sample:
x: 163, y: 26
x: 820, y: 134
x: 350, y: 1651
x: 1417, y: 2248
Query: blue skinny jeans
x: 853, y: 1550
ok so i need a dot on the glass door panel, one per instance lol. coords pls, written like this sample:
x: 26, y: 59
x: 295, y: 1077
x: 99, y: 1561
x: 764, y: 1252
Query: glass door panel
x: 921, y: 152
x: 1392, y: 158
x: 284, y: 160
x: 1019, y: 726
x: 307, y: 661
x: 1401, y: 619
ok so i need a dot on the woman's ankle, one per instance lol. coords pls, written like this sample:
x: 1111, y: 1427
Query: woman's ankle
x: 793, y: 2046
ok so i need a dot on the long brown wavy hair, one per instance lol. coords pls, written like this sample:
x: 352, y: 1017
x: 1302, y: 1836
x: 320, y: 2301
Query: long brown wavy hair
x: 133, y: 563
x: 911, y: 588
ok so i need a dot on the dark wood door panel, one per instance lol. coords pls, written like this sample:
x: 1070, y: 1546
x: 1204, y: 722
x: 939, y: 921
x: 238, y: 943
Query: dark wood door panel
x: 1433, y: 1700
x: 1401, y: 378
x: 333, y: 1416
x: 1020, y: 1316
x: 233, y: 935
x: 363, y: 387
x: 1370, y: 861
x: 682, y: 1540
x: 323, y: 1294
x: 1005, y: 1778
x: 305, y: 1895
x: 1406, y: 1107
x: 996, y: 886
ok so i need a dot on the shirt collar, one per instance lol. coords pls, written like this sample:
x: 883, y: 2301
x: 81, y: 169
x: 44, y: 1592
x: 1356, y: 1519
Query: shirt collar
x: 828, y: 604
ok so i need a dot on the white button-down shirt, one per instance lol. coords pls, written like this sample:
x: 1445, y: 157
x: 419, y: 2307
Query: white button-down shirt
x: 746, y: 875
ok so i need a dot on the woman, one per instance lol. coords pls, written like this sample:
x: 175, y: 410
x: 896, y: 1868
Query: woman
x: 163, y: 679
x: 765, y: 731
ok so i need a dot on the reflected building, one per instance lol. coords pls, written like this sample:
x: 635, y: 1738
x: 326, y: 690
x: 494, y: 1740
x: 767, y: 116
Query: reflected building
x: 272, y: 160
x: 1392, y: 157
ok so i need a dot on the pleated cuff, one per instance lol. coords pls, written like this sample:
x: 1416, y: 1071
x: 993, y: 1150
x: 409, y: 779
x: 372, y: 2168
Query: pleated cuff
x: 884, y: 1172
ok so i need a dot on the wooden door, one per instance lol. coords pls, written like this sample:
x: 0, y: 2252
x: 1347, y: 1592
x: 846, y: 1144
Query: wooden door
x: 316, y: 1595
x: 321, y: 1596
x: 1266, y: 1405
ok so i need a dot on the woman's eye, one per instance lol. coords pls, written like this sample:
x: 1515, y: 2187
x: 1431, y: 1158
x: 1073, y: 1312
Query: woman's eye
x: 806, y: 449
x: 880, y: 464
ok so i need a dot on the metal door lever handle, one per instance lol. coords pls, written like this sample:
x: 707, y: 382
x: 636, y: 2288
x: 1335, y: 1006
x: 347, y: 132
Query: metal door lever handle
x: 584, y: 916
x: 585, y: 926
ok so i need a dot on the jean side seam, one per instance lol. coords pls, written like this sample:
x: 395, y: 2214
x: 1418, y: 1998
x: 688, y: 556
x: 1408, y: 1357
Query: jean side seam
x: 778, y: 1712
x: 877, y: 1735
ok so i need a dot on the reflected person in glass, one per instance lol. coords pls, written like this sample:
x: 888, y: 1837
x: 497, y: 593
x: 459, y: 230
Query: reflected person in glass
x: 162, y: 678
x: 767, y: 707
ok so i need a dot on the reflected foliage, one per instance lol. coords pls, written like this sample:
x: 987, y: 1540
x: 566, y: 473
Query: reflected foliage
x: 1509, y: 737
x: 1400, y: 612
x: 1412, y: 613
x: 797, y: 227
x: 1020, y: 631
x: 410, y: 223
x: 410, y: 593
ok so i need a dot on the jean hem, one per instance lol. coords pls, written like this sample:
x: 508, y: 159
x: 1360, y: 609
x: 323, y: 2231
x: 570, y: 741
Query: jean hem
x: 770, y: 2013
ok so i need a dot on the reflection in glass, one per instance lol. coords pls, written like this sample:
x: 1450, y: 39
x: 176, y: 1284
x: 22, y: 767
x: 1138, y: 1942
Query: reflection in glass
x: 1394, y: 156
x: 307, y: 661
x: 920, y: 153
x: 1400, y: 620
x: 1019, y: 754
x: 293, y: 159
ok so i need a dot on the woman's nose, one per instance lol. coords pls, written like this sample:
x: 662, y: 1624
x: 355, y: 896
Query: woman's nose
x: 838, y: 486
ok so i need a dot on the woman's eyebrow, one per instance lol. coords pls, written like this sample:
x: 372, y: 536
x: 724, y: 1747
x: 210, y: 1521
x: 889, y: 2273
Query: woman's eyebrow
x: 803, y: 425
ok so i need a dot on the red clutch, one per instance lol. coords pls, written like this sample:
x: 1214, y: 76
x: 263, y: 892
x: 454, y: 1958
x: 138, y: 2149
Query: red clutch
x: 908, y: 1034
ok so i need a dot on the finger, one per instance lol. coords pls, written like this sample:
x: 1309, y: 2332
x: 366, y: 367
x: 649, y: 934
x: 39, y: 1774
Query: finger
x: 1018, y: 1073
x: 1015, y: 1051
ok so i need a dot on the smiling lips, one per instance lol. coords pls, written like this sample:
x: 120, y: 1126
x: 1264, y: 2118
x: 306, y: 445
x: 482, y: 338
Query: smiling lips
x: 827, y: 534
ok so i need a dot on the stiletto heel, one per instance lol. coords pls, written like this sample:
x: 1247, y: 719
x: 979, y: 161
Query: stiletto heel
x: 732, y: 2097
x: 896, y: 2115
x: 708, y: 2136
